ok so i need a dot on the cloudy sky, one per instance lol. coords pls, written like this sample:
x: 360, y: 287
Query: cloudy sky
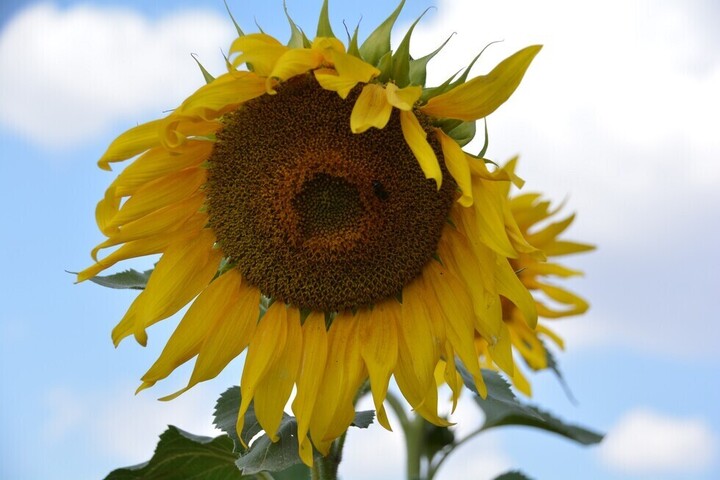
x: 617, y: 116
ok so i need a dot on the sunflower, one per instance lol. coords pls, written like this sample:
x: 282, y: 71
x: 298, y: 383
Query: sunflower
x: 532, y: 213
x: 314, y: 206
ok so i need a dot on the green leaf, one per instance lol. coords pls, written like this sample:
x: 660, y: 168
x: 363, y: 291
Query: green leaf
x: 363, y: 419
x: 226, y: 414
x: 401, y: 58
x: 180, y: 455
x: 206, y: 75
x: 513, y: 475
x: 377, y: 44
x: 418, y: 67
x: 501, y: 407
x: 123, y: 280
x: 324, y: 29
x: 266, y: 456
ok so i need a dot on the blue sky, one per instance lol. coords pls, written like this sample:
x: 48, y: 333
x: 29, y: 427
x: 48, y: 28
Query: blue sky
x: 617, y: 115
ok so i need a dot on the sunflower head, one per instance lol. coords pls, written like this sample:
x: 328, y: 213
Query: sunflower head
x: 314, y: 205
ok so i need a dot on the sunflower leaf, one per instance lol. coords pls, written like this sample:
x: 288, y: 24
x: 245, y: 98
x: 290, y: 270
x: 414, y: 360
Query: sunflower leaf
x: 266, y: 456
x: 377, y: 44
x: 226, y: 415
x: 501, y: 407
x: 513, y: 475
x: 363, y: 419
x: 180, y: 455
x: 131, y: 279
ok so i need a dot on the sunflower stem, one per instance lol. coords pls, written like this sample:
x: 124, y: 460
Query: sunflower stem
x: 413, y: 443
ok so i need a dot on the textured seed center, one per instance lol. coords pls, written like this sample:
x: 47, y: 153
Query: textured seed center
x: 314, y: 215
x: 327, y: 206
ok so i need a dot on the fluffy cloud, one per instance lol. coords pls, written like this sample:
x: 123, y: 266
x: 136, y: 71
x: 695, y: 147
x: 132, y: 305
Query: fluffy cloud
x: 68, y: 74
x: 124, y: 427
x: 647, y: 442
x: 618, y: 113
x: 617, y: 110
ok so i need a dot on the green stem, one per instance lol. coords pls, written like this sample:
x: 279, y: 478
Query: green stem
x: 413, y: 436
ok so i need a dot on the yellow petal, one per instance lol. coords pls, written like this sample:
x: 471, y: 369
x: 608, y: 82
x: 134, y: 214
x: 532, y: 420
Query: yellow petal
x: 275, y: 387
x: 266, y: 346
x: 453, y: 302
x: 501, y: 351
x: 296, y: 62
x: 222, y: 95
x: 418, y: 348
x: 457, y: 165
x: 210, y: 307
x: 510, y: 287
x: 230, y: 336
x: 371, y: 109
x: 416, y: 138
x: 327, y: 45
x: 480, y: 96
x: 330, y: 80
x: 159, y: 222
x: 158, y: 162
x: 145, y: 246
x: 351, y: 67
x: 159, y: 194
x: 134, y: 141
x: 490, y: 217
x: 377, y: 332
x: 403, y: 98
x: 310, y: 377
x: 578, y: 305
x: 183, y: 271
x: 258, y: 49
x: 344, y: 373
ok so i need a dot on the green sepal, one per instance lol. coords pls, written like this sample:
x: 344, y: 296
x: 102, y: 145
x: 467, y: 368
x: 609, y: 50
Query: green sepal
x: 385, y: 67
x: 324, y: 29
x: 483, y: 151
x: 353, y: 48
x: 461, y: 132
x: 377, y: 44
x: 431, y: 92
x: 129, y: 279
x: 501, y: 407
x: 237, y: 27
x: 401, y: 58
x: 180, y: 455
x: 297, y: 37
x: 418, y: 67
x: 206, y: 75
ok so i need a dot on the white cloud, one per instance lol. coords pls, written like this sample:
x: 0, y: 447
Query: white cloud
x: 123, y: 426
x: 647, y: 442
x: 68, y: 74
x: 618, y: 110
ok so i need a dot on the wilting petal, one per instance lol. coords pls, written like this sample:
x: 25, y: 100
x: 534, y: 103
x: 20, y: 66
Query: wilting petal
x: 371, y: 109
x: 403, y: 98
x: 416, y: 139
x: 456, y: 163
